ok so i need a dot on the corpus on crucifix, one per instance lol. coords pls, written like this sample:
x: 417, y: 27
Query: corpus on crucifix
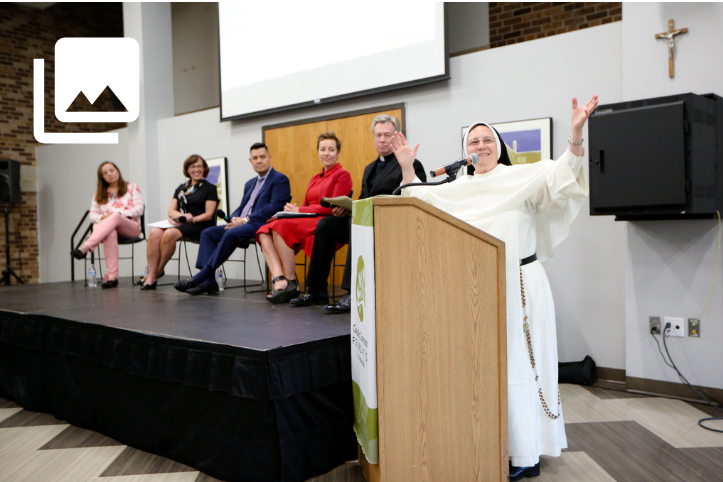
x: 670, y: 36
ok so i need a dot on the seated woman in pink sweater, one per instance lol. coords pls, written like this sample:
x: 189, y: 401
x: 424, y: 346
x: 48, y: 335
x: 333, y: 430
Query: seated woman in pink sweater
x: 116, y: 210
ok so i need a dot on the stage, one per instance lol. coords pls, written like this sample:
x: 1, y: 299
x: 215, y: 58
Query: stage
x: 229, y: 384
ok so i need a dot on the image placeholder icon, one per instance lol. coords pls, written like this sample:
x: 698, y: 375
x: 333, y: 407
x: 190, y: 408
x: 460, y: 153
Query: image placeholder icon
x: 85, y: 68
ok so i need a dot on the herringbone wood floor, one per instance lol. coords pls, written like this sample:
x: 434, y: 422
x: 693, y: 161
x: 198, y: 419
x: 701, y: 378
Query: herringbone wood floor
x: 612, y: 436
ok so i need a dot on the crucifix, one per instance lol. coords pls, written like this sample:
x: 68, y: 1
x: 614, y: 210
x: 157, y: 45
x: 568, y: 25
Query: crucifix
x: 670, y: 36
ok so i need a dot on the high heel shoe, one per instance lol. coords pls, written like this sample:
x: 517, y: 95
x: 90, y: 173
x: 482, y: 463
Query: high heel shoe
x: 151, y: 286
x: 285, y: 294
x: 78, y: 254
x: 142, y: 279
x: 274, y: 290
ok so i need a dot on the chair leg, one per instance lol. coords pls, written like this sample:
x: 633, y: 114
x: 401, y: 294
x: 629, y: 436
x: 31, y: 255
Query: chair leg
x: 188, y: 263
x: 133, y: 265
x: 258, y: 263
x: 333, y: 278
x: 245, y: 282
x: 245, y: 285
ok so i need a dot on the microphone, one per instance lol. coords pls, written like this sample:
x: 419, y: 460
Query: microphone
x: 222, y: 215
x: 455, y: 166
x: 181, y: 219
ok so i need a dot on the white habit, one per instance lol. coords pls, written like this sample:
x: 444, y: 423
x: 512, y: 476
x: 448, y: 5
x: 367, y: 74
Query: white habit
x: 530, y: 208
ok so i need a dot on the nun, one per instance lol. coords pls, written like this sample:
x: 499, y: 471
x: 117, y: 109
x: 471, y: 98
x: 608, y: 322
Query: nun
x: 530, y: 207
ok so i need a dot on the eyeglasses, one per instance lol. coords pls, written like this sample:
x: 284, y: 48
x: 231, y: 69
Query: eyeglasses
x: 486, y: 141
x: 385, y: 135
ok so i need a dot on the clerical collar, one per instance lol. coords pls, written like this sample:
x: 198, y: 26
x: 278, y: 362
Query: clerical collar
x: 388, y: 157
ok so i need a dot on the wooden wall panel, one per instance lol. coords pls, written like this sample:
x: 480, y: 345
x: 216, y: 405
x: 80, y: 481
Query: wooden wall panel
x: 293, y: 152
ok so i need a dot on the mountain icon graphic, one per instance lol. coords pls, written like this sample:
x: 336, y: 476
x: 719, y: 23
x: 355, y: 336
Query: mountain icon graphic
x: 107, y: 101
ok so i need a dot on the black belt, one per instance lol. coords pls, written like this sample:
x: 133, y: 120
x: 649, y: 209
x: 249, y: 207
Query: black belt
x: 528, y: 259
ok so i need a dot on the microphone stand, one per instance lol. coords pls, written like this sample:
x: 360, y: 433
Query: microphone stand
x: 8, y: 271
x: 447, y: 179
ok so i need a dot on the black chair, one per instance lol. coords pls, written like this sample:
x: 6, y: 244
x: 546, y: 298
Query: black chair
x: 184, y: 247
x: 245, y: 246
x: 335, y: 265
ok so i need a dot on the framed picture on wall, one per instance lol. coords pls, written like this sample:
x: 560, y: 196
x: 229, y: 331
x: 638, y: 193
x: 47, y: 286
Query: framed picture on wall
x: 527, y: 141
x: 218, y: 175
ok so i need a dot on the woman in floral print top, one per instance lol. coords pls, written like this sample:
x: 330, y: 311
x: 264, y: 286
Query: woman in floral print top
x: 116, y: 210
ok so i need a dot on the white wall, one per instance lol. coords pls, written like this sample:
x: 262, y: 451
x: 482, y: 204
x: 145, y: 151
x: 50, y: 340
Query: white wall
x: 669, y: 273
x: 670, y: 265
x: 600, y: 273
x: 697, y: 53
x: 66, y: 182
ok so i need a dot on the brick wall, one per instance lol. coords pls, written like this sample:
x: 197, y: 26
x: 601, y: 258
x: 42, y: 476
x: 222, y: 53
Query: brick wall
x: 512, y: 23
x: 27, y: 33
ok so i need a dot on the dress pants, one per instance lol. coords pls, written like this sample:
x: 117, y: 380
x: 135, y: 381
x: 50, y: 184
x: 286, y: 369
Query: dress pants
x: 218, y: 244
x: 107, y: 232
x: 330, y: 231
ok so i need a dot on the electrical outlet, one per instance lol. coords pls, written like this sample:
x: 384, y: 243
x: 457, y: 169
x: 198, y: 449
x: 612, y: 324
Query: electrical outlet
x: 654, y: 325
x: 694, y: 327
x: 677, y: 327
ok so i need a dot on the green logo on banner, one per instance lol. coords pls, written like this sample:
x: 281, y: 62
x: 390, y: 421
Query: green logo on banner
x: 360, y: 288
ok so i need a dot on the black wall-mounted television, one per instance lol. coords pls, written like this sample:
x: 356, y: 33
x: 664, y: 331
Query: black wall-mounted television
x: 657, y: 158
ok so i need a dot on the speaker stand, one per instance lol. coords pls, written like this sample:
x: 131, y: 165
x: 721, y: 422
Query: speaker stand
x: 8, y: 271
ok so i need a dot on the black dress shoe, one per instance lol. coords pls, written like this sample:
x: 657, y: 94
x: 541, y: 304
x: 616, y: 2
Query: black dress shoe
x: 519, y: 473
x: 341, y: 306
x: 310, y: 299
x: 77, y: 254
x: 184, y: 284
x: 151, y: 286
x: 111, y: 283
x: 209, y: 287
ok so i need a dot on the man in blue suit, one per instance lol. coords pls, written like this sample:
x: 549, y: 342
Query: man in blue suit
x: 264, y: 196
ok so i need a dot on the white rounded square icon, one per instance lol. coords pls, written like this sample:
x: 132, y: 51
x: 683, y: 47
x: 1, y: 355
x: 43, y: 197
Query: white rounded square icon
x: 86, y: 67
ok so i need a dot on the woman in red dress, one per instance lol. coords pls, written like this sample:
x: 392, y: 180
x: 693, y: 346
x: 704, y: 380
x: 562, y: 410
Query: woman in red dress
x: 281, y: 239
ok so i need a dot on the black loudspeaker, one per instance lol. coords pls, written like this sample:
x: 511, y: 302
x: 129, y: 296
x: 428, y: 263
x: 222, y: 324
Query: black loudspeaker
x: 659, y: 158
x: 10, y: 181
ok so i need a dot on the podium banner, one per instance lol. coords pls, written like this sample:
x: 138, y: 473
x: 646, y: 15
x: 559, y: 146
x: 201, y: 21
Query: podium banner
x: 363, y: 330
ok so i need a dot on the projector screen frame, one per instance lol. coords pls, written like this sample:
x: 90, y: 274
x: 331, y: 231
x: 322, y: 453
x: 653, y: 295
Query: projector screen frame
x: 352, y: 95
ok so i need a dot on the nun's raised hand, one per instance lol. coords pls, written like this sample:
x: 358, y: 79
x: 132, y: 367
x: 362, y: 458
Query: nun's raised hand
x: 582, y: 113
x: 405, y: 156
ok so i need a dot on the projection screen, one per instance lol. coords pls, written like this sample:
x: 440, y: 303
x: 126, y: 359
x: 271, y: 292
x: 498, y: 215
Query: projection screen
x: 282, y: 56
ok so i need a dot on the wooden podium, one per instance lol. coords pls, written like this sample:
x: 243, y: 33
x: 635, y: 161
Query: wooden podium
x: 441, y: 347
